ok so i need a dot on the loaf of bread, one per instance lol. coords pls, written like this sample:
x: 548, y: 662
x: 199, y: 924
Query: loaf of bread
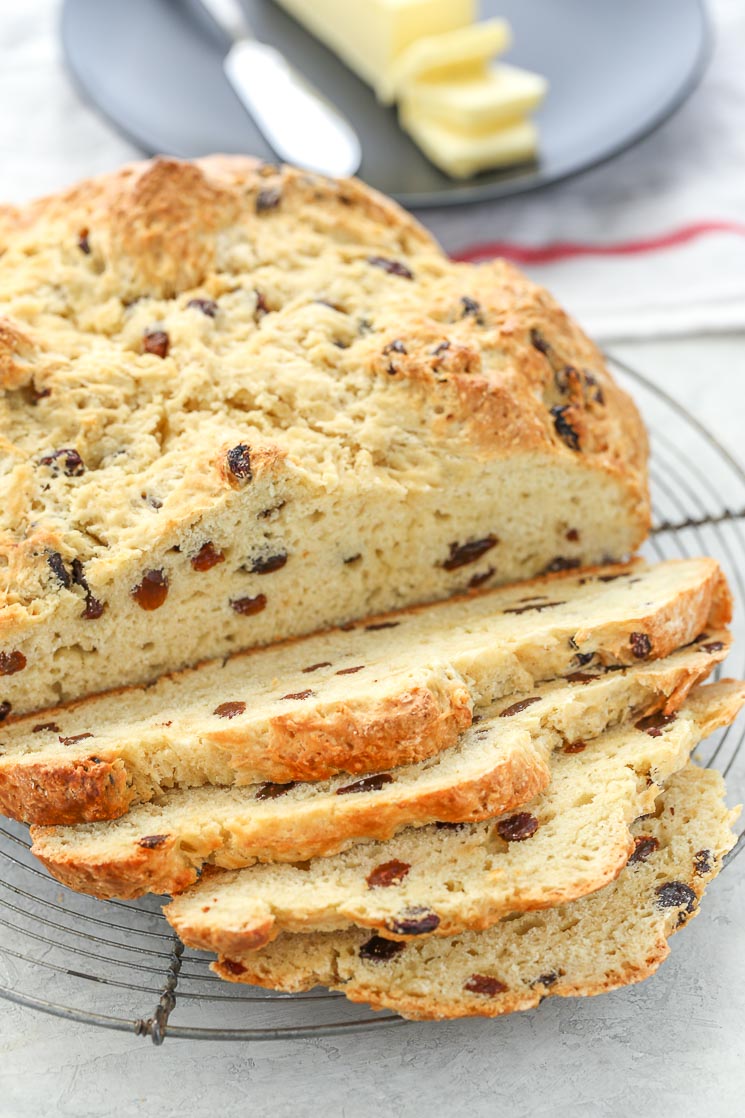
x: 499, y: 763
x: 390, y: 691
x: 611, y: 938
x: 241, y: 403
x: 571, y: 840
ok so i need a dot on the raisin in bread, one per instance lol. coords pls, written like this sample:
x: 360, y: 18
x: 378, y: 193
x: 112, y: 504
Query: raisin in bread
x: 497, y: 764
x: 571, y: 840
x: 390, y: 691
x: 611, y: 938
x: 241, y: 403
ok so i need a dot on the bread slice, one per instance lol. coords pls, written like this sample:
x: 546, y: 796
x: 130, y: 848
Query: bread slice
x: 571, y: 840
x: 611, y: 938
x: 502, y: 761
x: 390, y: 691
x: 242, y: 402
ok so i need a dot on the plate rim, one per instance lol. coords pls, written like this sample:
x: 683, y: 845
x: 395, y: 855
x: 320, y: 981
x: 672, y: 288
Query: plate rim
x: 470, y: 192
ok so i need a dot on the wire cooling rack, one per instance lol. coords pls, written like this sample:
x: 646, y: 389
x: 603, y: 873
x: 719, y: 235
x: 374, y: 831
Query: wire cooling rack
x: 119, y: 966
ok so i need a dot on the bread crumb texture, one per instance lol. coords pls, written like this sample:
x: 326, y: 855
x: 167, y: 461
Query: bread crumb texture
x: 611, y: 938
x: 241, y: 402
x: 389, y: 691
x: 570, y: 840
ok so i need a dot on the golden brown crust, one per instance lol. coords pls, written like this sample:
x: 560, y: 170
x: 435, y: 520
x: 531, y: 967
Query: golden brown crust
x: 17, y: 352
x: 309, y: 280
x: 167, y: 867
x: 722, y: 602
x: 590, y: 946
x: 160, y: 869
x: 707, y: 605
x: 399, y: 730
x: 231, y: 942
x: 79, y: 790
x: 546, y: 363
x: 549, y: 390
x: 430, y: 1009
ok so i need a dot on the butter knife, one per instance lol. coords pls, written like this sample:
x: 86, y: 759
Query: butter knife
x: 300, y: 125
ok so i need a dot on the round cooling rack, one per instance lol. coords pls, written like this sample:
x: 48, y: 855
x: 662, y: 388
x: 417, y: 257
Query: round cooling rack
x: 119, y: 966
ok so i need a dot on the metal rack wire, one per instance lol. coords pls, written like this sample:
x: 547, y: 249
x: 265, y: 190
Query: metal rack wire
x: 119, y: 966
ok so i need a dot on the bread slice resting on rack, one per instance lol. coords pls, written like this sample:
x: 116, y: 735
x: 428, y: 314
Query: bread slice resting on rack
x: 389, y: 691
x: 610, y: 938
x: 502, y: 761
x: 440, y: 880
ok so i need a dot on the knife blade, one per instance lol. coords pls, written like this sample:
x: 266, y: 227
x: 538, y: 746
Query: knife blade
x: 299, y: 124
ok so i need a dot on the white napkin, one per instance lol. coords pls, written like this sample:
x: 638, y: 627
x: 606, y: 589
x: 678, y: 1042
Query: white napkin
x: 687, y: 179
x: 691, y: 171
x: 49, y: 137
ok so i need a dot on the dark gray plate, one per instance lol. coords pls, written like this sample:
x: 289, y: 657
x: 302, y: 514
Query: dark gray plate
x: 617, y: 69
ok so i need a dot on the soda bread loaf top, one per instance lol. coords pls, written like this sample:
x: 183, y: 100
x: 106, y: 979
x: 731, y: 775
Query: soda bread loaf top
x: 389, y: 691
x: 242, y: 402
x: 611, y: 938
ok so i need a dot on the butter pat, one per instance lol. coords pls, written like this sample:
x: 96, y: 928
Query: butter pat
x: 445, y: 57
x: 369, y: 34
x: 487, y: 98
x: 462, y: 154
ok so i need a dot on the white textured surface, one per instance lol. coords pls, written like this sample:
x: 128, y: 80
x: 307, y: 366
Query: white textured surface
x: 674, y: 1046
x: 690, y: 170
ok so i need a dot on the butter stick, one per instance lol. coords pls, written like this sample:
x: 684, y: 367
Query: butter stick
x: 462, y: 154
x: 369, y: 34
x: 486, y: 98
x: 445, y: 57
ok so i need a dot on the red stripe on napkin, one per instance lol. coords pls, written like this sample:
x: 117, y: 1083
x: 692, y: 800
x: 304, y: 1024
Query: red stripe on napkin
x: 565, y: 250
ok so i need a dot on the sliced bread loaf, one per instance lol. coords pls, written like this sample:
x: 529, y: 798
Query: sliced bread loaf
x: 571, y: 840
x: 502, y: 761
x: 389, y: 691
x: 242, y: 402
x: 609, y: 939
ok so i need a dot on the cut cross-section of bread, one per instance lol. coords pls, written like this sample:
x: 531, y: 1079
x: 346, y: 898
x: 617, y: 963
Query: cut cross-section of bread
x: 611, y: 938
x: 571, y: 840
x: 390, y: 691
x: 241, y: 402
x: 501, y: 762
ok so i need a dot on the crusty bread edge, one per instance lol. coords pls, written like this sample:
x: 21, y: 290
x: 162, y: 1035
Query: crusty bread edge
x: 84, y: 790
x: 167, y: 868
x: 100, y: 785
x: 205, y: 935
